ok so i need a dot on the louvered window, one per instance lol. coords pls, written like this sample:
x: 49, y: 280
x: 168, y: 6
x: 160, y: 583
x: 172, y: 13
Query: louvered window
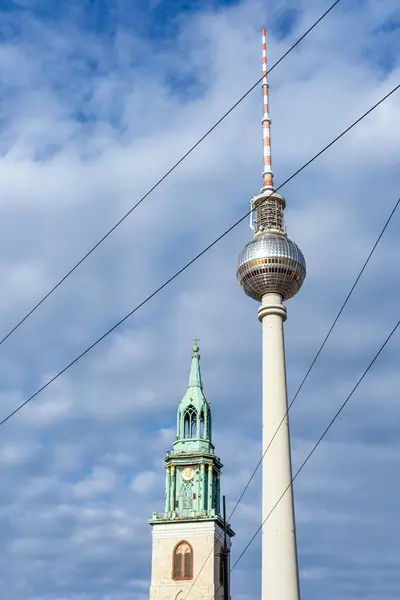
x: 178, y: 566
x: 188, y: 565
x: 183, y: 561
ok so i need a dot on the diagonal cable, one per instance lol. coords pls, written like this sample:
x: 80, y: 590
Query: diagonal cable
x: 130, y: 211
x: 318, y: 353
x: 308, y: 371
x: 193, y: 260
x: 305, y: 461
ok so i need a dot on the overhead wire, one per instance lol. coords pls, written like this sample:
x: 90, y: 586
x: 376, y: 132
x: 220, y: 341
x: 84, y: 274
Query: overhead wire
x: 385, y: 226
x: 318, y: 442
x: 130, y: 211
x: 193, y: 260
x: 319, y: 350
x: 203, y: 252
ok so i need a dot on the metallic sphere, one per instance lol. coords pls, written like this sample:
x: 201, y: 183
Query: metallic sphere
x: 271, y: 263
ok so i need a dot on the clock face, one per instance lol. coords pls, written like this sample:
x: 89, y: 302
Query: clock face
x: 187, y: 473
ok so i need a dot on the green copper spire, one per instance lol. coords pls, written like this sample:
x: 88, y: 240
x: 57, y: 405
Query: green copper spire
x: 192, y: 483
x: 194, y: 415
x: 192, y: 469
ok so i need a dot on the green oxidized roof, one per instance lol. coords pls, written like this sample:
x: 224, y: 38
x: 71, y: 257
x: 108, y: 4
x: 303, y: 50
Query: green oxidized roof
x: 194, y: 415
x: 194, y: 393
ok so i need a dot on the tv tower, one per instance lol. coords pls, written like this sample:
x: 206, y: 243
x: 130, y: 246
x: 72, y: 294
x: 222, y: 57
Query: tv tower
x: 271, y: 269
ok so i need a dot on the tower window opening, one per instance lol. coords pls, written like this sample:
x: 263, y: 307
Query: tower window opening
x: 190, y: 423
x: 183, y: 561
x: 202, y: 429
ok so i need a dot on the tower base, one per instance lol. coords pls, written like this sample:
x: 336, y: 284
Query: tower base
x: 205, y: 538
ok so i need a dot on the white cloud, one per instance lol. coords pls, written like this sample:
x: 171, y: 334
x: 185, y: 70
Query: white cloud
x: 15, y: 454
x: 100, y: 482
x: 144, y: 482
x: 88, y: 124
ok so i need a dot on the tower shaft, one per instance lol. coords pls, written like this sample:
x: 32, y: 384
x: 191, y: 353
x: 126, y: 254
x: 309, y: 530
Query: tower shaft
x: 279, y: 552
x: 271, y: 269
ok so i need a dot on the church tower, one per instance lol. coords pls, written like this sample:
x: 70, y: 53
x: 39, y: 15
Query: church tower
x: 188, y: 536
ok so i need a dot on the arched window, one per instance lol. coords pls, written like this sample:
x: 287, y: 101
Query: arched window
x: 190, y: 423
x: 182, y: 561
x: 209, y: 419
x: 194, y: 426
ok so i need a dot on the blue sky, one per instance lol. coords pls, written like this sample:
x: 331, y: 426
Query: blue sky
x: 98, y: 100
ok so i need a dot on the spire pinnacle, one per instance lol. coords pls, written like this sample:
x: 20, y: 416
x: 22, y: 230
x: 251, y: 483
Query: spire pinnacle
x: 266, y: 121
x: 195, y: 375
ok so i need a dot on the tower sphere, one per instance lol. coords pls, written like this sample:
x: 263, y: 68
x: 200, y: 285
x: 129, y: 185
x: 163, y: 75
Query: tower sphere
x: 271, y: 263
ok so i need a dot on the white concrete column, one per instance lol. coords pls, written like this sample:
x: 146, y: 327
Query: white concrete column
x: 280, y: 579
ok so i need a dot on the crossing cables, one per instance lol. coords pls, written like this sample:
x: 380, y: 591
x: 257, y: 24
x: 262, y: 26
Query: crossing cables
x: 303, y: 382
x: 318, y: 442
x: 131, y: 210
x: 192, y: 261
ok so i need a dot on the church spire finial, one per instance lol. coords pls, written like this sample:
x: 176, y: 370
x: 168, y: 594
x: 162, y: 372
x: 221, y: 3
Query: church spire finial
x: 195, y: 375
x: 196, y: 345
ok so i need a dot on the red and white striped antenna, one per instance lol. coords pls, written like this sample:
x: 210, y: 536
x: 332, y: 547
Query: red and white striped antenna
x: 266, y: 121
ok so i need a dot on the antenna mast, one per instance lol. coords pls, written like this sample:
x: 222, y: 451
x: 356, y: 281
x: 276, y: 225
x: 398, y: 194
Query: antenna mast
x: 268, y: 175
